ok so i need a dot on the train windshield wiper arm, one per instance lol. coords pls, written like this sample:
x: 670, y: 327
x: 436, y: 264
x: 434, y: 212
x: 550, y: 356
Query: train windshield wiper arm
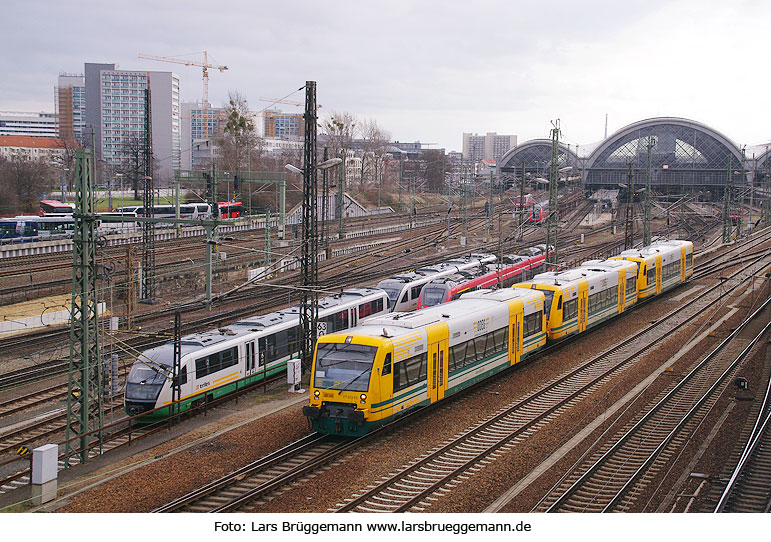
x: 354, y: 379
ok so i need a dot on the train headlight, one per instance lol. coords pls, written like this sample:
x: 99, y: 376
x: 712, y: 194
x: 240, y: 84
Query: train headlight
x: 363, y: 398
x: 316, y: 394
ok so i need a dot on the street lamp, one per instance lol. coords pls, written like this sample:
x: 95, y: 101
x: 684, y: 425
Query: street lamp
x: 120, y: 177
x: 326, y: 164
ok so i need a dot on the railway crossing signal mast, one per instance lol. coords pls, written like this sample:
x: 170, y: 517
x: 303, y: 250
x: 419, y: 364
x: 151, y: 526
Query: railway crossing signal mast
x: 553, y: 216
x: 84, y: 383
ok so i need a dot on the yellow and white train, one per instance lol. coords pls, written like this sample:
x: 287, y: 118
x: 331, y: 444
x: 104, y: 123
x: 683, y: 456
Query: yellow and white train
x: 391, y: 364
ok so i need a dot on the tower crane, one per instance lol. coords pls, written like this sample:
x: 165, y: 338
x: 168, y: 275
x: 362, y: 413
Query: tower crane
x: 205, y: 65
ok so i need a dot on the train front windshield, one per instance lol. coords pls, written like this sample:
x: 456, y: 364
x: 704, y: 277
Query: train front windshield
x: 392, y: 289
x: 144, y: 382
x: 433, y: 294
x: 341, y: 366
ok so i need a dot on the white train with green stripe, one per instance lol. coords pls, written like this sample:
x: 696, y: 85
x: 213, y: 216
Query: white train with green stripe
x: 218, y: 362
x: 391, y: 364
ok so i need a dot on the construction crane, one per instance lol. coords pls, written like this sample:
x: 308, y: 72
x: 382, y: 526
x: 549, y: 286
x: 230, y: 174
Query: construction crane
x: 205, y: 65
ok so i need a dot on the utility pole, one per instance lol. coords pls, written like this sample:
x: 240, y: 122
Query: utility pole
x: 84, y: 382
x: 309, y: 263
x: 647, y: 196
x: 552, y: 221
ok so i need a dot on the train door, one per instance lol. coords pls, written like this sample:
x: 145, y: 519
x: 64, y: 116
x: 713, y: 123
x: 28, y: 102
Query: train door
x: 682, y: 264
x: 583, y: 305
x: 354, y: 316
x: 437, y: 370
x: 251, y: 358
x: 515, y: 352
x: 658, y: 274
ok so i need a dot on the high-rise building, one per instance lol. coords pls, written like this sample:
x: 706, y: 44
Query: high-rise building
x: 116, y: 110
x: 24, y: 123
x: 487, y: 147
x: 198, y: 146
x: 70, y: 102
x: 281, y: 125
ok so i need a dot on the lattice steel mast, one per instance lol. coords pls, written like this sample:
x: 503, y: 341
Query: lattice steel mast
x: 552, y: 220
x: 309, y: 267
x: 148, y: 201
x: 84, y: 383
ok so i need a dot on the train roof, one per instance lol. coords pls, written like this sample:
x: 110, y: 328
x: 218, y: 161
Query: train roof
x: 657, y: 247
x: 164, y: 354
x: 397, y: 324
x: 604, y: 265
x: 444, y: 267
x: 568, y: 276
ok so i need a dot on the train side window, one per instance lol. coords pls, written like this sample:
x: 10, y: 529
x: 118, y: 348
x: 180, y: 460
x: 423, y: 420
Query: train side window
x: 410, y: 371
x: 202, y: 367
x: 387, y: 365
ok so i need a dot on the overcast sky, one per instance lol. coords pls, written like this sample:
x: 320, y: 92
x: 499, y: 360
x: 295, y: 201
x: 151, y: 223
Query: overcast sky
x: 426, y: 70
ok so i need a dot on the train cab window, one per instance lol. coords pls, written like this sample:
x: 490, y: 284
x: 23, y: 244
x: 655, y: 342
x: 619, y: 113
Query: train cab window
x: 415, y: 292
x: 387, y: 365
x: 405, y: 297
x: 549, y: 296
x: 183, y: 376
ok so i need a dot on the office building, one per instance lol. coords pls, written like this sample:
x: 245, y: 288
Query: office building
x: 198, y: 147
x: 281, y: 125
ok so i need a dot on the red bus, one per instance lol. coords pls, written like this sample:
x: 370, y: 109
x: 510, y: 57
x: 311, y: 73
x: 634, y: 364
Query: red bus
x: 515, y: 268
x: 229, y: 209
x: 49, y: 207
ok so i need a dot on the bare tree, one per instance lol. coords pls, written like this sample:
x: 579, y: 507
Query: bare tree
x: 23, y: 181
x: 374, y: 146
x: 340, y: 130
x: 239, y: 140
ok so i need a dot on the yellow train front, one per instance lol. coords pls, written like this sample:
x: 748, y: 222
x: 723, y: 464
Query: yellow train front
x: 393, y: 364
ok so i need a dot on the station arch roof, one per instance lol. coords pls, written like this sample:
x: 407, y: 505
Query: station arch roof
x: 687, y: 154
x: 536, y: 154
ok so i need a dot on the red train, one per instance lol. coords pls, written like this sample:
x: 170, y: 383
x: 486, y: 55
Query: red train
x: 514, y: 268
x: 538, y: 213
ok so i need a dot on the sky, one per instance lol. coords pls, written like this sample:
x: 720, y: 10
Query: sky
x: 425, y: 70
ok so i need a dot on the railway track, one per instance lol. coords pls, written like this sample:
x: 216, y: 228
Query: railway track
x: 620, y: 472
x: 748, y: 486
x: 419, y: 484
x: 423, y: 480
x: 263, y: 476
